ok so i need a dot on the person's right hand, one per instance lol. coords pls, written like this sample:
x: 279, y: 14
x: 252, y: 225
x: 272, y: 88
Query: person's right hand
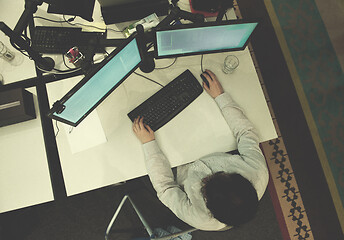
x: 142, y: 131
x: 215, y: 88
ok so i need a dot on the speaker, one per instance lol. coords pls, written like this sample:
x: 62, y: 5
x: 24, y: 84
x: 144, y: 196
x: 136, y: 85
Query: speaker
x: 16, y: 106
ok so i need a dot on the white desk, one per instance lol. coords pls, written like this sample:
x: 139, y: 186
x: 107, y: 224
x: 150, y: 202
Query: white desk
x: 24, y: 173
x: 198, y: 130
x: 184, y: 139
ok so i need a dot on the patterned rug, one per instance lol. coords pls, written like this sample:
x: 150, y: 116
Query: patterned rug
x: 319, y: 82
x: 283, y: 188
x: 284, y: 192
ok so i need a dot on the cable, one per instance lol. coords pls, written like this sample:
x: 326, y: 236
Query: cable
x: 58, y: 71
x: 168, y: 65
x: 150, y: 45
x: 62, y: 21
x: 66, y: 71
x: 26, y: 39
x: 58, y: 129
x: 27, y: 55
x: 202, y: 63
x: 85, y: 25
x: 115, y: 30
x: 64, y: 62
x: 148, y: 79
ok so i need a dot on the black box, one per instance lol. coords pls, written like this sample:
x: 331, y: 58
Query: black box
x: 122, y: 11
x: 16, y: 106
x: 211, y: 6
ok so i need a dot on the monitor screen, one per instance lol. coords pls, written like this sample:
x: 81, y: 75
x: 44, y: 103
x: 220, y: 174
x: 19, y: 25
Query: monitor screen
x: 202, y: 38
x: 93, y: 89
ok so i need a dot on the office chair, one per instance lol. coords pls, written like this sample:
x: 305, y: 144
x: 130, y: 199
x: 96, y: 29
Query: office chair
x: 144, y: 222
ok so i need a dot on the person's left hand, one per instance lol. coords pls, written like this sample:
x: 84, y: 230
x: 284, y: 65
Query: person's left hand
x: 142, y: 131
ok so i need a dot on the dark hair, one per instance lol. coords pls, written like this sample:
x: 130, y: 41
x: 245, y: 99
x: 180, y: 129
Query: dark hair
x: 231, y: 198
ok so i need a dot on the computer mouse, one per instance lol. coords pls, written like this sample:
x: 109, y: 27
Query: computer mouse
x: 205, y: 80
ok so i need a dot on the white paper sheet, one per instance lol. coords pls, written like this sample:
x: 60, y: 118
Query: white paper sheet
x: 89, y: 133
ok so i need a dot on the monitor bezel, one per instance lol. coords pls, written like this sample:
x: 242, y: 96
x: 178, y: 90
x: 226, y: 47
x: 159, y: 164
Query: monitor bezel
x: 198, y: 25
x: 51, y: 112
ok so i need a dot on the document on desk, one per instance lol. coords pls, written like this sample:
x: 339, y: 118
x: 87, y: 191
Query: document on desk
x: 89, y: 133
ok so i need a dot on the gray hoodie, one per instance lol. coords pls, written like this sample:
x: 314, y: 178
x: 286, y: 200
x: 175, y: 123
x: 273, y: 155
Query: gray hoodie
x: 183, y: 194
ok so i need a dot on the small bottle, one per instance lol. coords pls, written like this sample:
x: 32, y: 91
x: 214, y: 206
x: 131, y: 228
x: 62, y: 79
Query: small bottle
x: 10, y: 56
x: 5, y: 53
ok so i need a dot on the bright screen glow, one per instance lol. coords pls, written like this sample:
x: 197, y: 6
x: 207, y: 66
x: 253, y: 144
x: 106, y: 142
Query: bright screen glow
x: 203, y: 39
x: 101, y: 83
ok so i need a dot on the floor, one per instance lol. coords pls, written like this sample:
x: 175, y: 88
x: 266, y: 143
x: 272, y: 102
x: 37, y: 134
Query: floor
x: 290, y: 117
x: 86, y: 216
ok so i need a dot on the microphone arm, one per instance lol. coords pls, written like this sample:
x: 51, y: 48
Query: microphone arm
x: 19, y: 42
x: 176, y: 14
x: 45, y: 63
x: 224, y: 5
x: 31, y: 7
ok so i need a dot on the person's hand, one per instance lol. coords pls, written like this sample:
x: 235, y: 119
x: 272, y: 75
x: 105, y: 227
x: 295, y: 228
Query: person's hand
x: 142, y: 131
x: 215, y: 88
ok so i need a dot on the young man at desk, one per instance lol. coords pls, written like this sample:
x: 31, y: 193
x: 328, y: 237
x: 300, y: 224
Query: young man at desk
x: 220, y: 189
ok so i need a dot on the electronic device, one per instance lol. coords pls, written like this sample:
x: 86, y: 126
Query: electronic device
x: 115, y: 11
x: 206, y: 5
x: 96, y: 86
x: 165, y: 104
x: 61, y: 39
x: 16, y: 106
x: 202, y: 38
x: 204, y: 79
x: 81, y: 8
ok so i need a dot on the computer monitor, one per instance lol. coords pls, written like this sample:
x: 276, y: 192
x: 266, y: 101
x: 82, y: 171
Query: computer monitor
x: 95, y: 87
x: 209, y: 37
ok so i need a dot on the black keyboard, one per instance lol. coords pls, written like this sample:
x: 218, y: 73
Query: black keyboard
x: 164, y: 105
x: 58, y: 40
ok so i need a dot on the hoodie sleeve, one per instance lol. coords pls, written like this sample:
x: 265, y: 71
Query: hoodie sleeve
x: 168, y: 191
x: 245, y: 135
